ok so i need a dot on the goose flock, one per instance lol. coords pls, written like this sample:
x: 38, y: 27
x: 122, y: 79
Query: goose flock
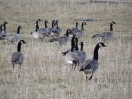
x: 73, y: 56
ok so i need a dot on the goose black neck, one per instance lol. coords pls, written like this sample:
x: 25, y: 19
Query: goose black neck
x: 46, y: 25
x: 81, y: 49
x: 57, y: 25
x: 52, y: 25
x: 0, y: 27
x: 37, y: 22
x: 37, y: 27
x: 82, y: 26
x: 18, y: 30
x: 67, y: 33
x: 4, y: 25
x: 76, y: 24
x: 73, y: 41
x: 111, y: 27
x: 76, y: 44
x: 96, y: 52
x: 19, y: 47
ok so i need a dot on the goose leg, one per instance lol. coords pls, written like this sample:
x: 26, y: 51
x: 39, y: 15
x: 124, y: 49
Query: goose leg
x: 86, y: 77
x: 20, y: 66
x: 91, y: 76
x: 75, y: 66
x: 13, y: 65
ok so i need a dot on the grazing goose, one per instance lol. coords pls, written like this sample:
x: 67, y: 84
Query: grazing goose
x: 105, y: 35
x: 38, y: 34
x: 91, y: 65
x: 57, y: 30
x: 75, y: 28
x: 78, y: 33
x: 13, y: 37
x: 4, y: 30
x: 17, y: 57
x: 62, y: 39
x: 71, y: 57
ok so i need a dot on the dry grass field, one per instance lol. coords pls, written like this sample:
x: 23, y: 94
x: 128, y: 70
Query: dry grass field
x: 44, y: 73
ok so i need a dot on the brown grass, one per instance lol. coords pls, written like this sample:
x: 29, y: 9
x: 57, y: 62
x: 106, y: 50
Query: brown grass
x: 44, y: 73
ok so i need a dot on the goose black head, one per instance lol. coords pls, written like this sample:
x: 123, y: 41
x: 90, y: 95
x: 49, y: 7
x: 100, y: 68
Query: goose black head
x: 113, y: 22
x: 38, y: 20
x: 101, y: 44
x: 22, y: 42
x: 84, y: 23
x: 19, y: 27
x: 81, y: 43
x: 53, y: 21
x: 57, y: 21
x: 46, y: 21
x: 5, y: 22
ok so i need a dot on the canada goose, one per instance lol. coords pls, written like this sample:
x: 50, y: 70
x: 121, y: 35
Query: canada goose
x: 53, y: 26
x: 4, y: 30
x: 91, y: 65
x: 71, y: 57
x: 80, y: 53
x: 38, y: 34
x: 57, y: 30
x: 46, y: 29
x: 79, y: 33
x: 105, y: 35
x: 13, y: 37
x: 17, y: 57
x: 62, y: 39
x: 75, y: 28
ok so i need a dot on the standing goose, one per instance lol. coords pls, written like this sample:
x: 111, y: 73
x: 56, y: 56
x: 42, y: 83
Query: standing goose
x: 71, y: 57
x: 57, y: 30
x: 78, y: 33
x: 62, y: 39
x: 4, y: 30
x: 13, y: 37
x: 46, y: 29
x: 38, y: 34
x: 17, y: 57
x: 105, y: 35
x: 91, y: 65
x: 53, y: 26
x: 80, y: 53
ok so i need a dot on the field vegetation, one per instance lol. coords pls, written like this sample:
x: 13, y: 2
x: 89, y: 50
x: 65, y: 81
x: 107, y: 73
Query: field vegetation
x: 44, y: 73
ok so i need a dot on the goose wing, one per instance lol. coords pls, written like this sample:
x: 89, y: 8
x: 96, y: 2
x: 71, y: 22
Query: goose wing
x: 17, y: 57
